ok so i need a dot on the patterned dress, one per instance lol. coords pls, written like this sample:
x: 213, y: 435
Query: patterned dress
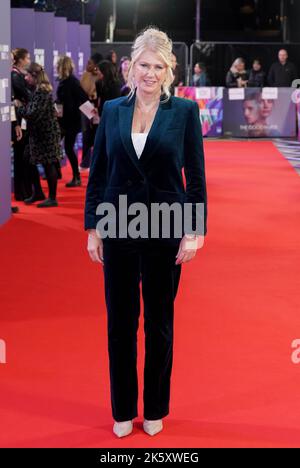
x: 43, y: 128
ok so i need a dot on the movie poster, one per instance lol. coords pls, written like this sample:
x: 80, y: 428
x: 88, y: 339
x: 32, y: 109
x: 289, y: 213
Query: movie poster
x: 259, y: 112
x: 210, y: 102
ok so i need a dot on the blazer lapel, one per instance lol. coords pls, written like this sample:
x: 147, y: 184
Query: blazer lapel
x: 161, y: 121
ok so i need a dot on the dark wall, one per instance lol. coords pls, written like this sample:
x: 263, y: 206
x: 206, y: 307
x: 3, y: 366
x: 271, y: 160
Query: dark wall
x: 293, y: 13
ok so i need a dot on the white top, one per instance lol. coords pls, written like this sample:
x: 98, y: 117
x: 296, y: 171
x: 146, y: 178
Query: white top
x: 139, y: 141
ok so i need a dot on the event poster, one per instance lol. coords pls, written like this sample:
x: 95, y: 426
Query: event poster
x: 259, y: 112
x: 210, y: 102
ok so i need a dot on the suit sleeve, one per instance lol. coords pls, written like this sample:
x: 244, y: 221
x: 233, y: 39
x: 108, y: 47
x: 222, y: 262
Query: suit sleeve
x: 194, y: 169
x: 97, y: 177
x: 230, y: 81
x: 19, y: 88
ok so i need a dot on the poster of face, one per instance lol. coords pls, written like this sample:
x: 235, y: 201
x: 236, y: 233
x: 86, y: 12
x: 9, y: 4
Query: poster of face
x: 259, y: 112
x: 210, y: 102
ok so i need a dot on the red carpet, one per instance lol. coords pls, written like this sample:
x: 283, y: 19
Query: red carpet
x: 237, y: 313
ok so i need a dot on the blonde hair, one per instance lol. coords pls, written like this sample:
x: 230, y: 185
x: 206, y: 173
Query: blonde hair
x: 65, y: 67
x: 237, y: 62
x: 42, y: 80
x: 151, y: 38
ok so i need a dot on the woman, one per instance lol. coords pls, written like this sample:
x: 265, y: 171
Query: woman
x: 71, y: 96
x: 237, y: 75
x: 88, y: 83
x: 123, y: 75
x: 178, y: 81
x: 108, y: 87
x: 22, y: 93
x: 200, y: 77
x: 113, y: 58
x: 142, y: 143
x: 257, y: 76
x: 43, y: 130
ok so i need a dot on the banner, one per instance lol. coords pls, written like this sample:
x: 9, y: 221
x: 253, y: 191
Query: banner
x: 73, y: 43
x: 5, y: 112
x: 23, y: 29
x: 84, y: 46
x: 210, y: 102
x: 44, y: 37
x: 259, y: 112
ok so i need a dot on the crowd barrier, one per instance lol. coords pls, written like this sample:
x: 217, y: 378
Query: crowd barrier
x: 219, y: 56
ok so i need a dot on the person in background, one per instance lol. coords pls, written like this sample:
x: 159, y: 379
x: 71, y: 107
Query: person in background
x: 178, y: 81
x: 283, y: 72
x: 123, y: 75
x: 109, y: 85
x: 43, y: 131
x: 21, y: 92
x: 113, y: 58
x: 71, y: 96
x: 88, y: 83
x: 91, y: 75
x: 16, y: 135
x: 237, y: 75
x: 200, y: 77
x: 256, y: 75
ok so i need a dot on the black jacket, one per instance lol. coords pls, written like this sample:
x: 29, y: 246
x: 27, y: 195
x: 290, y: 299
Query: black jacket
x: 19, y: 87
x: 282, y: 75
x: 256, y: 79
x: 173, y: 143
x: 231, y: 78
x: 107, y: 92
x: 71, y: 95
x: 19, y: 91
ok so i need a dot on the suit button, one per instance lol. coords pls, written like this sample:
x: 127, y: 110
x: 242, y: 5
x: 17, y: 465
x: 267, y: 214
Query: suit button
x: 129, y: 183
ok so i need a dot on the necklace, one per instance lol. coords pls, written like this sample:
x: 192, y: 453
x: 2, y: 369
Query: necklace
x: 144, y: 115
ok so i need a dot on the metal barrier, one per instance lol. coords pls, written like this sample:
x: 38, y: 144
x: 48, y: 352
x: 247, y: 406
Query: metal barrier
x: 219, y: 56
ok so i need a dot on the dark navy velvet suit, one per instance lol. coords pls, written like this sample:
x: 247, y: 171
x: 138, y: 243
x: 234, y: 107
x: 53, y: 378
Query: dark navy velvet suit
x: 173, y: 143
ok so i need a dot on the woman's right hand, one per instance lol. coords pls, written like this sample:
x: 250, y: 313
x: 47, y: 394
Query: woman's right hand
x: 95, y: 246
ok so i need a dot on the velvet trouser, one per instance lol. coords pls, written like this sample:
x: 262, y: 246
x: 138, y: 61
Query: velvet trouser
x: 126, y: 264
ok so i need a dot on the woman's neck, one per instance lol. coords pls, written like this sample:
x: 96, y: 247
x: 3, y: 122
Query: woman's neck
x: 147, y: 100
x: 21, y: 69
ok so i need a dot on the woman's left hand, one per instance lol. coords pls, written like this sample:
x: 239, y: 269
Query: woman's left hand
x: 188, y: 249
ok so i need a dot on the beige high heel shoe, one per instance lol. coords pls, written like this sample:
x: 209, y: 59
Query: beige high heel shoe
x: 123, y: 428
x: 152, y: 427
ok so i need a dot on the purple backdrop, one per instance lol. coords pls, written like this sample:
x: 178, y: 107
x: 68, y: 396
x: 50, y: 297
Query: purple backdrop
x: 60, y: 43
x: 22, y: 36
x: 44, y: 37
x: 84, y: 46
x: 5, y: 102
x: 73, y: 42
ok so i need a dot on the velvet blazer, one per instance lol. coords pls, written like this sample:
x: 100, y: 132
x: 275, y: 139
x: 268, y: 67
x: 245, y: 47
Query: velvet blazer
x: 174, y: 144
